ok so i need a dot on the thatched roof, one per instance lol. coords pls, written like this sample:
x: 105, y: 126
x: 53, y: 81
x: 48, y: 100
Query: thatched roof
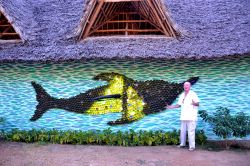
x: 48, y: 28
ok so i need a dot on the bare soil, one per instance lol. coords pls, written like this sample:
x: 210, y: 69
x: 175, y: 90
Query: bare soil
x: 20, y: 154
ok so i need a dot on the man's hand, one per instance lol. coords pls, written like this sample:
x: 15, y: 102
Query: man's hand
x: 195, y: 103
x: 168, y: 106
x: 172, y: 106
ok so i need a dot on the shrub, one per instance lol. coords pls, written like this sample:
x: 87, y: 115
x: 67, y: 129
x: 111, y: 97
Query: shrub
x: 225, y: 125
x: 105, y: 137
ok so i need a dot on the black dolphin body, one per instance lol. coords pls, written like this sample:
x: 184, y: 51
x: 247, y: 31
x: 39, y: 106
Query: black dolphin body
x: 77, y: 104
x: 154, y: 93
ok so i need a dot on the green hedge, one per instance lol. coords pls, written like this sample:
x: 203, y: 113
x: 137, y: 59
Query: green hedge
x: 105, y: 137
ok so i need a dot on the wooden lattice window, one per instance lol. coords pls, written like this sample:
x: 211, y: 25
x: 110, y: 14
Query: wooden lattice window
x: 7, y: 32
x: 126, y: 17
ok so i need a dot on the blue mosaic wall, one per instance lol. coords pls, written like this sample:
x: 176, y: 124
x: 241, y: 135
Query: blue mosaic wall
x: 222, y: 82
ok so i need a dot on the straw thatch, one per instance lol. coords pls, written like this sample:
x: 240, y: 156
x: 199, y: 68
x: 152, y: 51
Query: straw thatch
x: 213, y: 28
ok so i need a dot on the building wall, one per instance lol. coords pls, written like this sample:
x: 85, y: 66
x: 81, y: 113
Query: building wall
x: 221, y: 83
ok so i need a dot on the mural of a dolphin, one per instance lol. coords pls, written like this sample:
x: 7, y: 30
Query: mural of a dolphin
x: 134, y: 99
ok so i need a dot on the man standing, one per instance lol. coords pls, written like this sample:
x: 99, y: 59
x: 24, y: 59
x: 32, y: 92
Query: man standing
x: 189, y: 102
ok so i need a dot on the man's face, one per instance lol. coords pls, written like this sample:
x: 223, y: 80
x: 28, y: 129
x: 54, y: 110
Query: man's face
x: 187, y: 86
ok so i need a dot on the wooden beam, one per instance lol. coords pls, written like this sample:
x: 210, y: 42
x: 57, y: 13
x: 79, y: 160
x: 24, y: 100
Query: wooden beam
x: 126, y: 21
x: 120, y: 0
x: 112, y: 15
x: 110, y: 9
x: 159, y: 5
x: 85, y: 22
x: 157, y: 16
x: 5, y: 25
x: 96, y: 12
x: 124, y: 30
x: 144, y: 12
x: 8, y: 34
x: 126, y: 13
x: 7, y: 29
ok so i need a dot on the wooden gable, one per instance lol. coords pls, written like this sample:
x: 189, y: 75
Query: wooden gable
x: 7, y: 32
x: 127, y: 17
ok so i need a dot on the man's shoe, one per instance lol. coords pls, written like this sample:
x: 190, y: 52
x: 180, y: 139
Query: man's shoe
x: 180, y: 146
x: 191, y: 149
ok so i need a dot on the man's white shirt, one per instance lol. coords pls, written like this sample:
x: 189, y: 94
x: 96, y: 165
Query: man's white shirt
x: 188, y: 110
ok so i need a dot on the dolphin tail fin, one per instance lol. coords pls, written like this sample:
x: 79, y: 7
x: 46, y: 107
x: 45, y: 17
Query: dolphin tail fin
x: 193, y: 80
x: 44, y: 100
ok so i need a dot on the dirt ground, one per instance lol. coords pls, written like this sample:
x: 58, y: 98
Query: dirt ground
x: 22, y: 154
